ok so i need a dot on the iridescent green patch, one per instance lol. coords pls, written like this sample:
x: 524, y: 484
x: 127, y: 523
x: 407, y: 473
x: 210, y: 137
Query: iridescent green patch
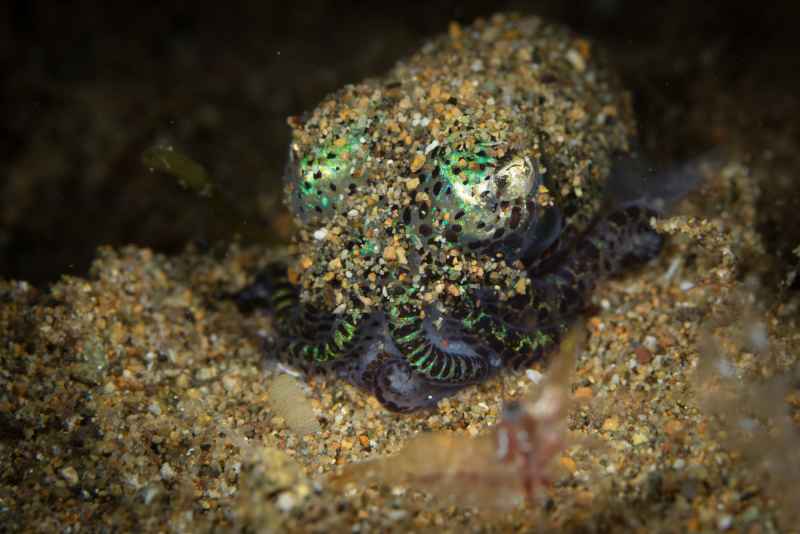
x: 324, y: 175
x: 467, y: 168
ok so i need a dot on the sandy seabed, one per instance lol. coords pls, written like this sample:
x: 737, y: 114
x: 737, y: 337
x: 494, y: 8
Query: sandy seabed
x: 137, y: 399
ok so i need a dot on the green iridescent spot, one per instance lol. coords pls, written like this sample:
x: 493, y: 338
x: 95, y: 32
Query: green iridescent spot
x: 368, y: 248
x: 324, y: 175
x: 461, y: 168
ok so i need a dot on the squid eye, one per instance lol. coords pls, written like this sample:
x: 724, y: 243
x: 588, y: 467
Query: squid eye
x: 479, y: 199
x: 323, y: 177
x: 498, y: 204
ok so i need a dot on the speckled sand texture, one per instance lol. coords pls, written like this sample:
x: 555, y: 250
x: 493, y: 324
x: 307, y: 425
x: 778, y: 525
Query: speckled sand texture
x: 137, y: 399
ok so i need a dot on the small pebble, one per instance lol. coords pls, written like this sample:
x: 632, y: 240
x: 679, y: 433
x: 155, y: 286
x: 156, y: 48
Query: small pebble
x: 286, y: 501
x: 416, y: 164
x: 611, y: 424
x: 154, y: 408
x: 390, y: 253
x: 534, y: 375
x: 568, y: 463
x: 70, y: 475
x: 650, y: 343
x: 643, y: 355
x: 167, y: 472
x: 576, y: 60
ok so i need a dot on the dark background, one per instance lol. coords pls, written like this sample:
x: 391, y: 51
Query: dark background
x: 86, y: 88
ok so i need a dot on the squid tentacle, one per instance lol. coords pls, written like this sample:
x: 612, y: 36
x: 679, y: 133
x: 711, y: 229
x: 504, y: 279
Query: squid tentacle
x: 307, y: 336
x: 523, y: 329
x: 410, y: 357
x: 448, y: 354
x: 611, y: 244
x: 518, y: 336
